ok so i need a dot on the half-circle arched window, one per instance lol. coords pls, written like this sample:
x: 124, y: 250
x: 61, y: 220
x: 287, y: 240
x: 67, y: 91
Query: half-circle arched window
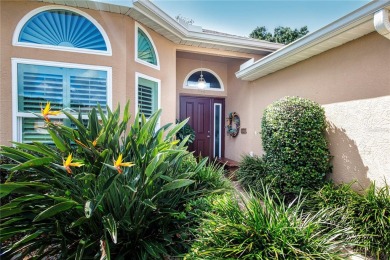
x: 146, y: 51
x: 62, y: 29
x: 213, y: 82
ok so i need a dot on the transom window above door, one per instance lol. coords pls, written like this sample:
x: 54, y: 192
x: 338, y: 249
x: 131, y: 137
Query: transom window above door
x: 211, y: 81
x: 61, y: 29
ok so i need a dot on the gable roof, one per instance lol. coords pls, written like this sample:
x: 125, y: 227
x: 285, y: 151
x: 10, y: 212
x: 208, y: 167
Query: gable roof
x: 352, y: 26
x: 147, y: 13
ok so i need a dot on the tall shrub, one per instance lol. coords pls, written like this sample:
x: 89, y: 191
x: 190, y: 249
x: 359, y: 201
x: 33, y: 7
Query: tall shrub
x: 296, y: 152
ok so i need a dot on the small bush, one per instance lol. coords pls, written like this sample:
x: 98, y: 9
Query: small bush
x: 251, y: 172
x: 367, y: 213
x: 296, y: 152
x: 268, y: 229
x: 209, y: 176
x: 185, y: 131
x: 4, y: 173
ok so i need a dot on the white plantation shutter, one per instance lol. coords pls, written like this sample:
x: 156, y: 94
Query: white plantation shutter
x: 38, y: 84
x: 145, y: 100
x: 69, y: 88
x: 33, y: 130
x: 147, y: 97
x: 86, y: 92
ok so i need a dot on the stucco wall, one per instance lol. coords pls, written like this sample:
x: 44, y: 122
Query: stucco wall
x: 353, y: 83
x: 120, y: 30
x: 359, y: 135
x: 239, y: 100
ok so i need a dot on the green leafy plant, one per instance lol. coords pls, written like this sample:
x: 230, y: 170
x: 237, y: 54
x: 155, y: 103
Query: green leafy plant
x: 185, y: 131
x: 266, y: 228
x: 101, y: 190
x: 296, y: 152
x: 4, y: 173
x: 251, y: 172
x: 368, y: 213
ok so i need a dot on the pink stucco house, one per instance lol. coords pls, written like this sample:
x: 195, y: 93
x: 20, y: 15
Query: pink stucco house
x: 80, y: 53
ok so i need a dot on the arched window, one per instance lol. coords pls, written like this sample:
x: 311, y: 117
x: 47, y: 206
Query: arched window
x: 213, y: 82
x: 145, y: 50
x: 61, y: 29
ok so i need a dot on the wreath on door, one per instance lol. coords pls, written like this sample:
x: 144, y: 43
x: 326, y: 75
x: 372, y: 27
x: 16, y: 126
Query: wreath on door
x: 233, y: 126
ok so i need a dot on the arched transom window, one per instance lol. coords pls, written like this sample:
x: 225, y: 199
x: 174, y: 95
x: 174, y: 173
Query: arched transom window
x: 212, y: 81
x: 62, y: 29
x: 145, y: 50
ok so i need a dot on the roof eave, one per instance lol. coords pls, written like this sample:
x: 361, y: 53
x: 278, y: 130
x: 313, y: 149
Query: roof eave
x: 272, y: 62
x: 148, y: 9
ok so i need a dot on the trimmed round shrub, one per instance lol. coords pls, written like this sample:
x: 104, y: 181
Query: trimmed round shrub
x: 296, y: 151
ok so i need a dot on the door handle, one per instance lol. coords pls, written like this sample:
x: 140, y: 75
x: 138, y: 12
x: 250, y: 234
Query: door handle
x: 208, y: 136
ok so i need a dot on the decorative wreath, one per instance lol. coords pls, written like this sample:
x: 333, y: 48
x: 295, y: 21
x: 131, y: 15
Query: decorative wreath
x: 233, y: 126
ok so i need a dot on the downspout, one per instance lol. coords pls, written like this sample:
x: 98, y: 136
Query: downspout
x: 381, y: 23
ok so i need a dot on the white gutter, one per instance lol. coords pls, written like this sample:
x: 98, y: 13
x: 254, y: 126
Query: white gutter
x: 381, y: 23
x: 343, y: 24
x: 150, y: 10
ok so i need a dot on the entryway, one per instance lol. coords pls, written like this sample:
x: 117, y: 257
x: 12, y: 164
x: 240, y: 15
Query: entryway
x: 207, y: 119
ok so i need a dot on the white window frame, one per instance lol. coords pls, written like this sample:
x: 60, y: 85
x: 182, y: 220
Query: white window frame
x: 17, y: 116
x: 158, y: 81
x: 138, y: 26
x: 207, y: 89
x: 27, y: 17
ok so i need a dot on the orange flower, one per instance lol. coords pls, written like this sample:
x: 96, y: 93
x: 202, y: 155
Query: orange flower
x: 118, y: 163
x: 46, y: 112
x: 69, y: 163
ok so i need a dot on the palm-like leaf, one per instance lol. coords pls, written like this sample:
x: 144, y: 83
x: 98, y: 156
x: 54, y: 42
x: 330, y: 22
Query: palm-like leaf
x: 94, y: 210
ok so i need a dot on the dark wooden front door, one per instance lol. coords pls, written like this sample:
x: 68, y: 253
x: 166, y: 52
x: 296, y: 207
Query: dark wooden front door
x: 200, y: 111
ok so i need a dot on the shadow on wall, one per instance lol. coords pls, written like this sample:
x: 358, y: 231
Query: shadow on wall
x: 347, y: 163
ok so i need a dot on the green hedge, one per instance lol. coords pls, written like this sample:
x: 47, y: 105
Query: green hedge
x: 296, y: 152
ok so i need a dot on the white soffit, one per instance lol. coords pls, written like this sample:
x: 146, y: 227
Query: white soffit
x: 343, y: 30
x: 148, y: 14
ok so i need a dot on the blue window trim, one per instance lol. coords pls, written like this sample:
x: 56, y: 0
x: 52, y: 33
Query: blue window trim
x: 34, y: 13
